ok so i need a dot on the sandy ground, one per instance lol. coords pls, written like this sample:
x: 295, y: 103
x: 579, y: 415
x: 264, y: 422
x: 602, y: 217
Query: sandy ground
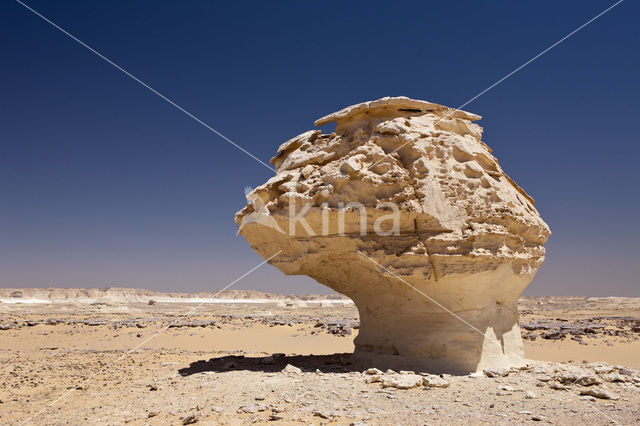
x: 115, y: 364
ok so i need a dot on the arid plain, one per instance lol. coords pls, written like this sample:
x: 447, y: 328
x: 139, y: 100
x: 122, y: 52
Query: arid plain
x: 111, y: 357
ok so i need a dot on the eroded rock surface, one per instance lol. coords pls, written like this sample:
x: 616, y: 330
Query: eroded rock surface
x: 406, y: 211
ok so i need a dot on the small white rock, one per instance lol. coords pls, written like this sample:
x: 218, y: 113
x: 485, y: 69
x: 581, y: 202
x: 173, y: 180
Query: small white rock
x: 599, y: 393
x: 433, y: 381
x: 291, y: 369
x: 496, y: 372
x: 401, y: 381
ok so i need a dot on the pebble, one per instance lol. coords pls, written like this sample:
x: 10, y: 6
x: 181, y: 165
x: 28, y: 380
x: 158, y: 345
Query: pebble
x: 372, y: 371
x: 578, y: 378
x: 599, y: 393
x: 588, y: 381
x: 625, y: 371
x: 401, y: 381
x: 190, y: 420
x: 291, y: 369
x: 537, y: 418
x: 603, y: 369
x: 372, y: 379
x: 433, y: 381
x: 253, y: 408
x: 323, y: 414
x: 496, y: 372
x: 530, y: 395
x: 613, y: 377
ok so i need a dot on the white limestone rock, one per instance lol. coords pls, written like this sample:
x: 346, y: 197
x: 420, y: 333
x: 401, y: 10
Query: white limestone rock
x: 599, y: 392
x: 433, y: 381
x: 437, y: 283
x: 291, y: 369
x: 401, y: 381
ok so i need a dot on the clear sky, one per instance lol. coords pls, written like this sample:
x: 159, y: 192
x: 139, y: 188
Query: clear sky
x: 102, y: 183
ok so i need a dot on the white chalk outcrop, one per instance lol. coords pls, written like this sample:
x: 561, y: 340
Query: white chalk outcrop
x: 406, y: 211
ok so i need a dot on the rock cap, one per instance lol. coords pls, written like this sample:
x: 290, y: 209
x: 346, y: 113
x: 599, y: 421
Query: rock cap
x: 399, y: 103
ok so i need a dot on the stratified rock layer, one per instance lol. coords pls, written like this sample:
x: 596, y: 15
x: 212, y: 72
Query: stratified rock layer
x: 439, y: 291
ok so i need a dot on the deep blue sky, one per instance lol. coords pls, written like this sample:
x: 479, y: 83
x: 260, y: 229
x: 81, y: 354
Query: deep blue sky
x: 102, y: 183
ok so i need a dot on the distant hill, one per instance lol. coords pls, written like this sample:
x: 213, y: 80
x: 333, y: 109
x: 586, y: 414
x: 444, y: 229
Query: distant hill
x: 114, y: 294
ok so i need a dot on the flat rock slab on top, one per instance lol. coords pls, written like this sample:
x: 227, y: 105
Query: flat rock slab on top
x: 401, y: 103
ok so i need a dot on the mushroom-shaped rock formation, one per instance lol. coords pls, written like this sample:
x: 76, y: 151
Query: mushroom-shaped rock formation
x: 404, y: 210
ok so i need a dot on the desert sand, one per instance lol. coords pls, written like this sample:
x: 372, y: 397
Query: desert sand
x: 98, y: 360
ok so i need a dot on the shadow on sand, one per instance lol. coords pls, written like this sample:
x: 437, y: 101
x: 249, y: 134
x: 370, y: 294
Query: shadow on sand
x: 334, y: 363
